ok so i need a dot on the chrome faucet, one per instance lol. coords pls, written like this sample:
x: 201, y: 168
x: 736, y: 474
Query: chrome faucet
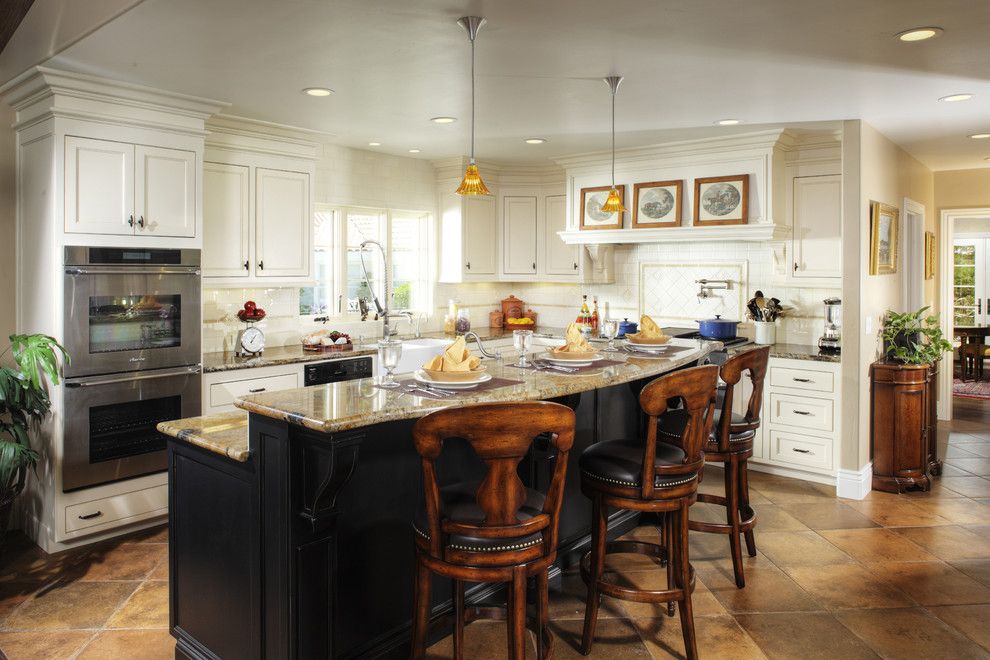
x: 382, y: 310
x: 497, y: 355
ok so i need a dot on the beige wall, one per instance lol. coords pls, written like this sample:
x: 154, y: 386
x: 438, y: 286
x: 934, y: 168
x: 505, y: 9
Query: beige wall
x: 962, y: 189
x: 887, y: 174
x: 8, y: 221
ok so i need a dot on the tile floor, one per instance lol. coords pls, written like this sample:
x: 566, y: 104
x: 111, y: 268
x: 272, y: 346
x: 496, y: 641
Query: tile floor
x: 892, y: 576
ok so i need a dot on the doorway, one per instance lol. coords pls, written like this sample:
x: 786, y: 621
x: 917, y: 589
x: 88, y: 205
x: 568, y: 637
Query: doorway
x: 965, y: 302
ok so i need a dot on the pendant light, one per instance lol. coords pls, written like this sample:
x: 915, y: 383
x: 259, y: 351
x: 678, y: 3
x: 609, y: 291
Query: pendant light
x: 613, y: 204
x: 472, y: 183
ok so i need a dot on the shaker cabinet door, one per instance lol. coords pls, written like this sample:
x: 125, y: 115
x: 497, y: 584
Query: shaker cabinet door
x: 99, y: 186
x: 562, y: 259
x: 519, y: 235
x: 226, y: 220
x: 817, y: 226
x: 283, y: 224
x: 479, y: 236
x: 165, y: 192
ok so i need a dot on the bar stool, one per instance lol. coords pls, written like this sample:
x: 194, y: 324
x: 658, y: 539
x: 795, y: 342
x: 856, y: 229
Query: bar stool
x: 731, y: 443
x: 647, y: 475
x: 493, y: 530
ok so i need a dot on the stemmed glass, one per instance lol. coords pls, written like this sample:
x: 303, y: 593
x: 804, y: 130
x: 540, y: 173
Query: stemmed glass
x: 610, y: 328
x: 389, y: 352
x: 522, y: 340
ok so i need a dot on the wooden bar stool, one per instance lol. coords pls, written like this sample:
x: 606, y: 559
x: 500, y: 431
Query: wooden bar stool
x: 659, y: 477
x: 731, y: 443
x: 493, y: 530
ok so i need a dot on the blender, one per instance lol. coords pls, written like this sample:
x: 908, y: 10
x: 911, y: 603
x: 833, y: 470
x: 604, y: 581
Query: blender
x: 830, y: 341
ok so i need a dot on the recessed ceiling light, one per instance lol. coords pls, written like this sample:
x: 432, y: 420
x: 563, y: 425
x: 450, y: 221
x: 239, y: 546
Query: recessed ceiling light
x: 414, y: 151
x: 919, y: 33
x: 535, y: 140
x: 374, y: 144
x: 318, y: 91
x: 980, y: 136
x: 952, y: 98
x: 443, y: 120
x: 727, y: 122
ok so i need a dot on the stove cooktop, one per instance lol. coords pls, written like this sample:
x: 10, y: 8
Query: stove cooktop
x: 693, y: 333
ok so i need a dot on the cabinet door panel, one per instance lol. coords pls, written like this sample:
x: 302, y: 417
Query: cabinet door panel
x: 226, y: 220
x: 165, y: 191
x: 283, y: 224
x: 562, y: 259
x: 519, y: 235
x: 818, y: 226
x: 99, y: 186
x: 479, y: 236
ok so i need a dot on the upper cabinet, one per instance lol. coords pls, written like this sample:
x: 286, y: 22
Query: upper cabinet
x: 125, y: 189
x: 283, y: 223
x: 519, y: 235
x: 468, y: 238
x: 817, y: 229
x: 227, y: 228
x: 561, y: 259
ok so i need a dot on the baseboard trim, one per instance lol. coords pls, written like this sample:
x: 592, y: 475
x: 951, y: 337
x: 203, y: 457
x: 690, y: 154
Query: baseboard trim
x: 855, y: 484
x: 792, y: 473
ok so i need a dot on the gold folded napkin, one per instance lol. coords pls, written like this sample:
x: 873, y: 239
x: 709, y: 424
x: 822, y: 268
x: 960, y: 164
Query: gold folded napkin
x: 648, y: 329
x: 575, y: 341
x: 456, y: 357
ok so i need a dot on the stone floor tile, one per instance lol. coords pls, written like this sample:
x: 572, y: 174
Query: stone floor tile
x: 827, y: 515
x: 50, y: 645
x: 970, y: 620
x: 806, y: 635
x: 908, y: 633
x: 978, y: 569
x: 767, y: 590
x: 876, y: 545
x: 960, y: 511
x: 123, y: 561
x: 799, y: 549
x: 717, y: 636
x: 847, y: 586
x: 615, y: 639
x: 968, y: 486
x: 143, y: 644
x: 948, y: 542
x: 900, y: 512
x: 933, y: 583
x: 70, y: 606
x: 146, y: 608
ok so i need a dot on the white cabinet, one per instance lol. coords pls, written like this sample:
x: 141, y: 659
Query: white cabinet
x: 817, y: 218
x: 226, y: 220
x: 283, y: 224
x: 519, y: 235
x: 561, y: 258
x: 221, y: 388
x: 125, y: 189
x: 480, y: 234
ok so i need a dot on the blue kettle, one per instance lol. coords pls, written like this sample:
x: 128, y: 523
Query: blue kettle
x: 627, y: 326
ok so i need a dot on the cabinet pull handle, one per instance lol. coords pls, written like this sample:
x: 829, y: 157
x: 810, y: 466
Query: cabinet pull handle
x: 575, y: 265
x: 468, y: 265
x: 257, y: 389
x: 141, y: 222
x: 246, y: 267
x: 802, y: 380
x: 534, y: 265
x: 90, y: 516
x: 802, y: 451
x: 802, y: 412
x: 261, y: 265
x: 795, y: 266
x: 130, y: 220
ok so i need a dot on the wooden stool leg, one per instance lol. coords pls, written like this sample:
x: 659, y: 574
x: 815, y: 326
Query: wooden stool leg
x: 732, y: 517
x: 744, y: 503
x: 684, y: 582
x: 598, y: 538
x: 458, y: 588
x: 517, y: 614
x: 669, y: 544
x: 542, y: 612
x: 421, y: 614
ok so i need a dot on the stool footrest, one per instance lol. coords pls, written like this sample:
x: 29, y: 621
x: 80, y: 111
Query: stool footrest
x: 746, y: 514
x: 630, y: 593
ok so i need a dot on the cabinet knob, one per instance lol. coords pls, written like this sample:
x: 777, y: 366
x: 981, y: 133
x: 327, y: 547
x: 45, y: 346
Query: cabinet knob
x: 130, y: 220
x: 246, y: 267
x: 468, y: 265
x: 575, y: 265
x: 141, y: 222
x: 534, y: 265
x: 795, y: 266
x: 261, y: 265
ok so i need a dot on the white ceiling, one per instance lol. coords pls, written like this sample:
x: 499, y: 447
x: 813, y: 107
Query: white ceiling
x: 687, y: 63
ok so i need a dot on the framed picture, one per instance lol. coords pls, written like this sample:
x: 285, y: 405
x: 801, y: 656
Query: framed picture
x: 657, y: 204
x: 883, y: 239
x: 592, y: 216
x: 721, y: 200
x: 930, y: 255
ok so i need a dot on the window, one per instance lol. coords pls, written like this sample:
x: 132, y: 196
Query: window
x: 405, y: 237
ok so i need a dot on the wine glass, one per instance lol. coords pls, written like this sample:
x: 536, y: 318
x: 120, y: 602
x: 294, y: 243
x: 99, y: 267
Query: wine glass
x: 610, y: 328
x: 389, y: 352
x: 522, y: 340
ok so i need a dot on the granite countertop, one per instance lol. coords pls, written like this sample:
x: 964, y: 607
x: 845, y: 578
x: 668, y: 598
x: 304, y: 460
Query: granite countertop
x: 353, y: 404
x: 803, y: 352
x: 224, y: 433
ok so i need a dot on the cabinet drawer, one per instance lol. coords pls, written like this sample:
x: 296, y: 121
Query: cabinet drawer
x: 223, y: 394
x: 800, y: 450
x: 802, y: 379
x: 803, y: 412
x: 119, y: 507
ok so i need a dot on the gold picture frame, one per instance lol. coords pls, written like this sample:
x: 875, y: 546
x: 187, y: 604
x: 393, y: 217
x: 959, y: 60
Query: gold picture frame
x: 657, y: 204
x: 591, y: 203
x: 721, y: 200
x: 883, y: 238
x: 930, y: 255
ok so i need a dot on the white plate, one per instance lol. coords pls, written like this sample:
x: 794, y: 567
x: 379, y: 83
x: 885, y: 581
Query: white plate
x: 647, y: 348
x: 569, y: 363
x: 423, y: 377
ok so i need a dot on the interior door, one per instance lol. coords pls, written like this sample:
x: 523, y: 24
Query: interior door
x: 165, y: 191
x: 519, y: 235
x: 283, y: 224
x: 99, y: 186
x: 970, y: 282
x: 226, y: 220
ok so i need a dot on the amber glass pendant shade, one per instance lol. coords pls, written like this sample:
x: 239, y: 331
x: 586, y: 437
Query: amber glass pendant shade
x: 472, y: 183
x: 613, y: 204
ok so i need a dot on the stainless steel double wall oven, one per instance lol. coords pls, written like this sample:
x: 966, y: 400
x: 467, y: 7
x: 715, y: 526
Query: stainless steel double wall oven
x: 132, y: 328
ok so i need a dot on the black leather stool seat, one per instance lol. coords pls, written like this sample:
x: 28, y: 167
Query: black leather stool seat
x: 458, y: 503
x: 671, y: 425
x: 620, y: 462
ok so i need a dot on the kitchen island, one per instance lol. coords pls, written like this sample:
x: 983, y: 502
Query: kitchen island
x: 299, y: 544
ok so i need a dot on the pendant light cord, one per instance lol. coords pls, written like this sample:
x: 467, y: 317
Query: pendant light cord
x: 613, y: 138
x: 472, y: 101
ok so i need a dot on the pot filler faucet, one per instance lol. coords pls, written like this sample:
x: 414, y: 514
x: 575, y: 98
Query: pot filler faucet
x: 383, y: 312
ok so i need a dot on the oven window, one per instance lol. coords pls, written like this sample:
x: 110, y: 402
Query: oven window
x: 128, y: 429
x: 134, y: 323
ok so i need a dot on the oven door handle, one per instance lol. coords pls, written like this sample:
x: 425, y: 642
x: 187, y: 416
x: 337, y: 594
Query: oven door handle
x: 104, y: 380
x: 171, y: 270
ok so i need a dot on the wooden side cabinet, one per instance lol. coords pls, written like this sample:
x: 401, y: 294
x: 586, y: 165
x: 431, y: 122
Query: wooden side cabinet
x: 902, y: 429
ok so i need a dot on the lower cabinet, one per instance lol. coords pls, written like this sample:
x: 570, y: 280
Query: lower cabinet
x: 221, y: 388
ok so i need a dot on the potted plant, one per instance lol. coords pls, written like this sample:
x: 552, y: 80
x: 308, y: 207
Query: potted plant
x: 24, y: 402
x: 913, y: 338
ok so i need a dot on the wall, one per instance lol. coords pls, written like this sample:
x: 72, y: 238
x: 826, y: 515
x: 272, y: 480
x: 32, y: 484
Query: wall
x: 8, y: 222
x: 956, y: 189
x: 887, y: 174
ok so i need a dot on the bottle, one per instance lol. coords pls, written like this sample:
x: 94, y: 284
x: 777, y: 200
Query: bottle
x: 584, y: 318
x: 594, y: 318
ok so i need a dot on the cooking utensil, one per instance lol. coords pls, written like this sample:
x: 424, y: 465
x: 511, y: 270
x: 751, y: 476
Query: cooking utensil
x: 627, y: 327
x: 717, y: 328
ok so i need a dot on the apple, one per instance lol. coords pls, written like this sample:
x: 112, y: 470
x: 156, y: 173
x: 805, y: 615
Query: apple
x: 250, y: 306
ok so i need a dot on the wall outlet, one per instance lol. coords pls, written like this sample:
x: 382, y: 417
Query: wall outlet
x: 869, y: 325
